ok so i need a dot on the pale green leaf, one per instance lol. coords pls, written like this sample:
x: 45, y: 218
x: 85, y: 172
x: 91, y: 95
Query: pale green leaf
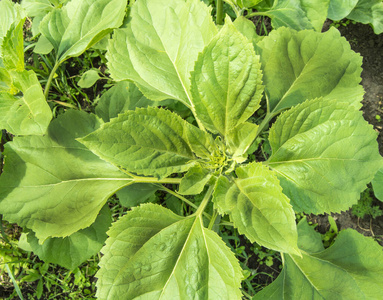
x: 247, y: 28
x: 226, y: 81
x: 88, y: 79
x: 369, y: 12
x: 34, y: 8
x: 54, y: 185
x: 324, y: 153
x: 136, y: 194
x: 71, y: 251
x: 340, y: 9
x: 6, y: 85
x: 10, y: 13
x: 28, y: 113
x: 120, y: 98
x: 287, y: 13
x: 194, y: 181
x: 158, y: 48
x: 151, y: 253
x: 201, y: 142
x: 12, y: 48
x: 258, y: 208
x: 309, y: 240
x: 316, y: 12
x: 305, y: 65
x: 145, y: 141
x: 240, y: 139
x: 352, y: 269
x: 37, y: 10
x: 377, y: 184
x: 80, y: 24
x: 43, y: 46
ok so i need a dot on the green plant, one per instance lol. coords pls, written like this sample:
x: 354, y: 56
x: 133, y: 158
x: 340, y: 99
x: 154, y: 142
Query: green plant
x: 323, y: 153
x: 299, y: 14
x: 364, y: 206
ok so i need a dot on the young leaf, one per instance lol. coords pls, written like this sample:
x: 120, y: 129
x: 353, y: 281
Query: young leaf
x: 54, y: 185
x: 88, y: 79
x: 377, y: 184
x: 154, y: 254
x: 194, y: 181
x: 353, y: 268
x: 324, y: 154
x: 12, y: 48
x: 226, y: 81
x: 240, y: 139
x: 120, y: 98
x: 145, y: 141
x: 80, y: 24
x: 38, y: 9
x: 28, y: 114
x: 305, y: 65
x: 73, y: 250
x: 155, y: 49
x: 258, y: 208
x: 10, y: 13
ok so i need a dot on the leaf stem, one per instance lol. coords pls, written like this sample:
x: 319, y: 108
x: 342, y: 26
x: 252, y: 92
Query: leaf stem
x: 138, y: 179
x: 256, y: 14
x: 182, y: 198
x: 264, y: 123
x: 212, y: 220
x: 205, y: 201
x: 219, y: 16
x: 50, y: 78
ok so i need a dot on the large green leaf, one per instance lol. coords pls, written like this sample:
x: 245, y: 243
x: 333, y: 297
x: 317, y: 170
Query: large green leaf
x: 287, y: 13
x: 53, y: 184
x: 145, y: 141
x: 352, y: 269
x: 80, y: 24
x: 151, y: 253
x: 324, y: 153
x: 369, y: 12
x: 120, y: 98
x: 377, y: 184
x: 73, y: 250
x: 340, y: 9
x: 28, y: 113
x: 226, y: 81
x: 305, y: 65
x: 316, y: 11
x: 363, y: 11
x: 258, y: 208
x: 158, y: 48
